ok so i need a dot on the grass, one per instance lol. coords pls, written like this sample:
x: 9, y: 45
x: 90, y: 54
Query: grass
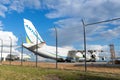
x: 32, y: 73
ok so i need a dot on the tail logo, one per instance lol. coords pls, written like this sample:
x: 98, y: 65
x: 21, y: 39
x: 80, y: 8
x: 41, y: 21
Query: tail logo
x: 28, y: 40
x: 32, y: 34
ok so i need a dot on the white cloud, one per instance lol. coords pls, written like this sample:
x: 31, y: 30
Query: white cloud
x: 69, y: 47
x: 17, y: 6
x: 69, y: 32
x: 5, y: 1
x: 5, y: 37
x: 89, y: 9
x: 72, y: 32
x: 111, y: 33
x: 62, y: 8
x: 71, y: 12
x: 3, y: 9
x: 97, y: 47
x: 20, y: 5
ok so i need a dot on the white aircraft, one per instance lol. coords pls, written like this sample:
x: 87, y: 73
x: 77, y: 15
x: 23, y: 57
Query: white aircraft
x: 36, y: 44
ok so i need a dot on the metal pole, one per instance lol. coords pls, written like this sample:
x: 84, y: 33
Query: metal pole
x: 10, y: 49
x: 36, y: 60
x: 84, y: 31
x: 104, y: 21
x: 56, y: 47
x: 1, y: 49
x: 36, y: 49
x: 22, y: 52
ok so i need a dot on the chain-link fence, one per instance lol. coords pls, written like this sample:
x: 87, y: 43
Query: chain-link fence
x: 98, y: 54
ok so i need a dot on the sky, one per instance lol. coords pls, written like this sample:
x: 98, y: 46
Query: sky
x: 66, y: 16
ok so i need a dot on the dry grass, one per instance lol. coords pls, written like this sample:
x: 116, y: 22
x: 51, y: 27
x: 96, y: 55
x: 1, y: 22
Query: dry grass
x: 47, y: 71
x: 68, y: 66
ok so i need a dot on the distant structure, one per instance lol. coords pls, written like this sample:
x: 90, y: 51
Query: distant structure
x: 79, y: 55
x: 112, y: 51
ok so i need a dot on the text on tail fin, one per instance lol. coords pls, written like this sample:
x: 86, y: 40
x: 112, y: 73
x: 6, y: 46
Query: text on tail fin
x: 32, y: 34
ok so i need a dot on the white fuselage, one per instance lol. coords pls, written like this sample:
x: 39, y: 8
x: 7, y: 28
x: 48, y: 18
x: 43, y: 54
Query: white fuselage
x: 48, y: 51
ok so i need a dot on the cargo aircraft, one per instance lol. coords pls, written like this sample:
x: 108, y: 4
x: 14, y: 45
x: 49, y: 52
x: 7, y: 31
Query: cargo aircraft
x: 38, y: 46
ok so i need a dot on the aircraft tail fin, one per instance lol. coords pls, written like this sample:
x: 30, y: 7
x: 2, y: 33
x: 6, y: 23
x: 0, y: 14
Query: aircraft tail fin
x: 32, y: 34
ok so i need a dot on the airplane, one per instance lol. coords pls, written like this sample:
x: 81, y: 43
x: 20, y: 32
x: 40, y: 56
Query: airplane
x: 38, y: 46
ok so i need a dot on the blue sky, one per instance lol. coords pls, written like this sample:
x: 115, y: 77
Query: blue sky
x: 66, y: 15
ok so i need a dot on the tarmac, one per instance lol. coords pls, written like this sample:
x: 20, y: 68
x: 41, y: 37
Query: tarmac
x: 100, y: 64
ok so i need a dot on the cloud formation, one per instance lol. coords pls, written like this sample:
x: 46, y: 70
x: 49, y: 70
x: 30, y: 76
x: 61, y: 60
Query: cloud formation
x: 7, y: 37
x: 97, y: 47
x: 20, y: 5
x: 17, y: 5
x: 70, y: 13
x: 99, y: 9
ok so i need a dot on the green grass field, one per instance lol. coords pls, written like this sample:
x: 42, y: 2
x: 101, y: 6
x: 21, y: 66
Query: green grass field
x: 33, y: 73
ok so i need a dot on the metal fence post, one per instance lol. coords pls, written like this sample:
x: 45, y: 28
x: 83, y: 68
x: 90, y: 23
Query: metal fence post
x: 10, y: 49
x: 56, y: 47
x: 1, y: 49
